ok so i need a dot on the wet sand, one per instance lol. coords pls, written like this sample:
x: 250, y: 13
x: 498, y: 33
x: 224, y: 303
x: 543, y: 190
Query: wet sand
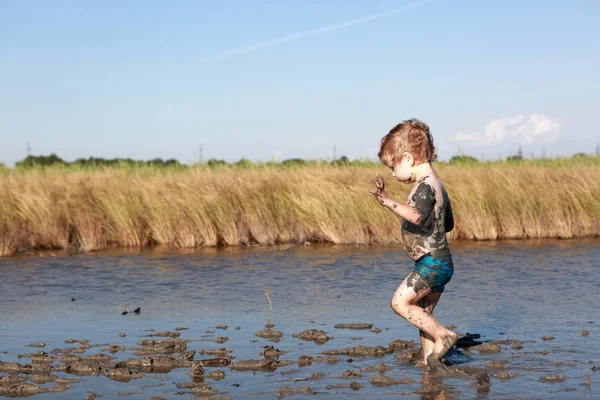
x: 204, y: 328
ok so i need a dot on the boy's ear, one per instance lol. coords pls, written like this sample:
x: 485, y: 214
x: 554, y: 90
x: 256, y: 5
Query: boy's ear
x: 408, y: 158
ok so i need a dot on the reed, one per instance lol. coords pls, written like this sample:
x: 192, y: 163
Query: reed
x: 87, y: 209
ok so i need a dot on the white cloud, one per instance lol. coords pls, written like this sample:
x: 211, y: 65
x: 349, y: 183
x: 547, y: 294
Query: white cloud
x: 518, y: 129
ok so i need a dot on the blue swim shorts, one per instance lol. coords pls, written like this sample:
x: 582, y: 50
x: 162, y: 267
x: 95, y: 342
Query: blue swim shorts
x: 436, y: 272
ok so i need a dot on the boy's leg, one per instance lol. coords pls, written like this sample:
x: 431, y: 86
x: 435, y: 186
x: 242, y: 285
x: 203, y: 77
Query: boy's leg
x: 413, y: 289
x: 428, y: 303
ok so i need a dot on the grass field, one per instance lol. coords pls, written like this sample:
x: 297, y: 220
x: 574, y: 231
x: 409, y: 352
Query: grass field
x: 86, y: 209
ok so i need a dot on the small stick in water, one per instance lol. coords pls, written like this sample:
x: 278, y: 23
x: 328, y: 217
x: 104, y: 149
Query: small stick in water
x: 269, y: 298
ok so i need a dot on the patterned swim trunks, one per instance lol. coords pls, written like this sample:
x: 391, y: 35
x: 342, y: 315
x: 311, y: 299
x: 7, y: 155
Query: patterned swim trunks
x: 436, y: 272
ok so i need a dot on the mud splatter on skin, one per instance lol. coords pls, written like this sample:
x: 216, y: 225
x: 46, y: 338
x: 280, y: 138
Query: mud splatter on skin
x: 416, y: 282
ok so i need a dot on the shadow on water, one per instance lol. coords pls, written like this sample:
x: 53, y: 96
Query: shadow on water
x: 533, y: 303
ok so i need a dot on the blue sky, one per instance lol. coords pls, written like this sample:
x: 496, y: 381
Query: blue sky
x: 284, y: 79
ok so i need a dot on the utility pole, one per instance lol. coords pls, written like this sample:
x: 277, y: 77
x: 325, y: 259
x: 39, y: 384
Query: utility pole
x: 28, y: 149
x: 598, y: 149
x: 520, y: 154
x: 200, y: 155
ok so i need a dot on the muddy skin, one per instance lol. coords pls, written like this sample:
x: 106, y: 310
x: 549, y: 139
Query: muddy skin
x: 254, y: 365
x: 353, y: 326
x: 435, y: 364
x: 269, y: 334
x: 354, y: 386
x: 416, y: 282
x: 313, y: 335
x: 381, y: 380
x: 173, y: 335
x: 286, y: 391
x: 350, y: 374
x: 359, y: 351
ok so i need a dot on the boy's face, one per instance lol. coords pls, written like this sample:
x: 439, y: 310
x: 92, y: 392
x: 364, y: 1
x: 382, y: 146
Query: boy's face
x: 403, y: 170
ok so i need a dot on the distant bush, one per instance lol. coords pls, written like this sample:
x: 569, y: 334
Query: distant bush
x: 215, y: 163
x: 293, y: 162
x: 44, y: 161
x: 342, y: 161
x: 244, y: 163
x: 464, y: 159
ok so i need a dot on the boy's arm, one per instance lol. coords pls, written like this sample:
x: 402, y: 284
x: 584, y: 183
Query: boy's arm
x: 415, y: 215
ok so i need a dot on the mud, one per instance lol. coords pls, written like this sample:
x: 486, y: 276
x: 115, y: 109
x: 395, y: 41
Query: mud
x: 353, y: 326
x: 267, y: 333
x: 286, y: 391
x: 382, y: 380
x: 313, y: 335
x: 360, y: 351
x: 254, y: 365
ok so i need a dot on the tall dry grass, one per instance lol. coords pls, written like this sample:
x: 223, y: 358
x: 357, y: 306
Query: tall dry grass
x: 58, y: 208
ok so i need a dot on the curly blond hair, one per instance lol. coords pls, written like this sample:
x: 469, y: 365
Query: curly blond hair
x: 411, y: 136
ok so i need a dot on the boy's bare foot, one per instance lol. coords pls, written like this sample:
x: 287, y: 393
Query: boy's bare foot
x: 447, y: 342
x: 435, y: 364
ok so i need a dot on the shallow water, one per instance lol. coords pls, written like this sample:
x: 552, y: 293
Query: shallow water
x: 501, y: 290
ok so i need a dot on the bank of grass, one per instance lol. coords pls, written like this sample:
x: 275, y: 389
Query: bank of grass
x: 86, y: 209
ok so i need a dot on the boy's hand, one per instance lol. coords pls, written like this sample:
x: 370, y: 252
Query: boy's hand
x: 380, y: 194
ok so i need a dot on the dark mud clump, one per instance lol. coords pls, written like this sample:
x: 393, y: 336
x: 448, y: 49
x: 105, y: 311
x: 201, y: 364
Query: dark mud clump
x: 254, y: 365
x: 159, y: 363
x: 350, y: 374
x: 382, y: 380
x: 122, y: 374
x: 359, y: 351
x: 271, y: 352
x: 354, y: 386
x: 481, y: 382
x: 546, y: 338
x: 305, y: 360
x: 488, y: 348
x: 398, y: 345
x: 313, y: 335
x: 410, y: 356
x: 353, y: 326
x: 173, y: 335
x: 505, y: 375
x: 328, y: 359
x: 216, y: 352
x: 286, y: 391
x: 215, y: 362
x: 381, y: 368
x: 223, y: 327
x: 39, y: 344
x: 161, y: 347
x: 268, y: 333
x: 497, y: 364
x: 552, y: 378
x: 222, y: 339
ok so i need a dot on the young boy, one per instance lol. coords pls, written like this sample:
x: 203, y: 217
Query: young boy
x: 408, y: 150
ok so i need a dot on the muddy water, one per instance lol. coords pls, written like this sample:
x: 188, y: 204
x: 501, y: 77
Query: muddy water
x: 511, y: 293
